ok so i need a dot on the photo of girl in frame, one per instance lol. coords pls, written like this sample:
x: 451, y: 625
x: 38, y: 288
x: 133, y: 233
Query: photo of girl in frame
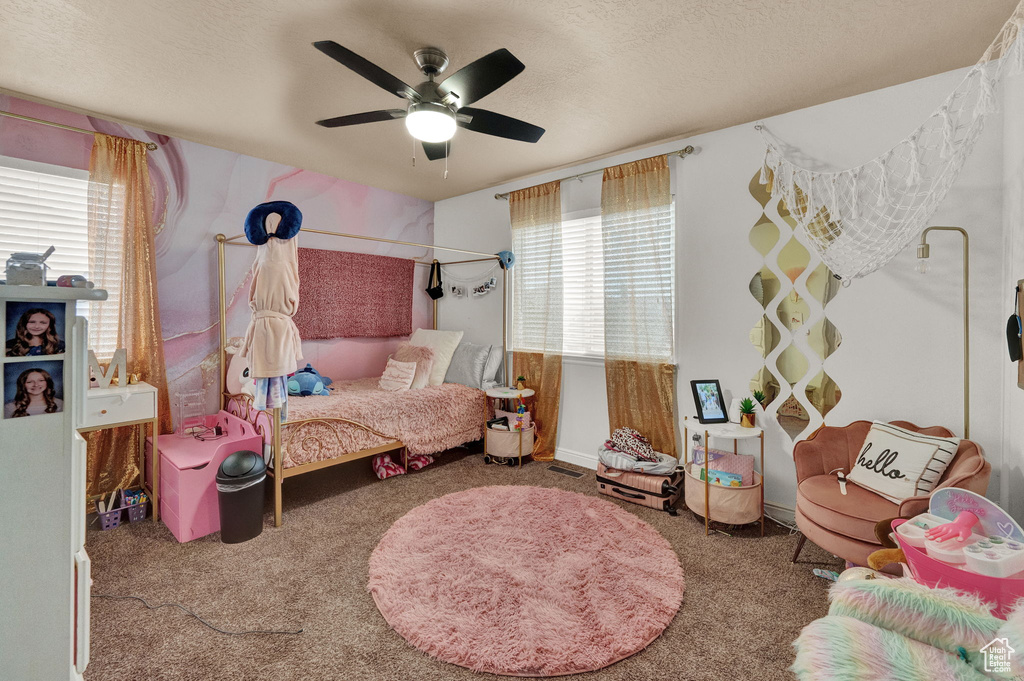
x: 33, y: 388
x: 34, y: 329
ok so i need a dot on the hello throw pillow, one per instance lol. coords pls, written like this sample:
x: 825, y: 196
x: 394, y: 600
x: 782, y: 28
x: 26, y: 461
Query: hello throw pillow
x: 896, y: 463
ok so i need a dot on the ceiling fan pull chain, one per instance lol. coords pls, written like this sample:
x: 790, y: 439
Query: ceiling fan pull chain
x: 446, y: 150
x: 414, y: 152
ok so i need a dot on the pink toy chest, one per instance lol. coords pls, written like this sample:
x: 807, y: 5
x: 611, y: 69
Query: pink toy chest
x: 188, y: 471
x: 1002, y: 592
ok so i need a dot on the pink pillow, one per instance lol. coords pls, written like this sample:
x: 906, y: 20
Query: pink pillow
x: 424, y: 358
x: 397, y: 375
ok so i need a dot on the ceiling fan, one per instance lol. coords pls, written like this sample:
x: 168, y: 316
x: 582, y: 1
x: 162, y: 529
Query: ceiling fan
x: 436, y: 108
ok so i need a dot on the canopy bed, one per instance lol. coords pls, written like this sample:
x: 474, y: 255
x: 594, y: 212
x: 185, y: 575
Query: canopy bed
x: 357, y: 421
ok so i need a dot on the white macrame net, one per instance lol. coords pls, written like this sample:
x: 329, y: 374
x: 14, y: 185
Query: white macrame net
x: 859, y: 219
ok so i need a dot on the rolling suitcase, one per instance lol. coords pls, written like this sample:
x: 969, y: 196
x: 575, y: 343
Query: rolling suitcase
x: 655, y: 491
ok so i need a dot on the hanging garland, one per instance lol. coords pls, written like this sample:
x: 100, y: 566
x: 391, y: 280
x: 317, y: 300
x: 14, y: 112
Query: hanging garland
x: 478, y: 285
x: 858, y: 219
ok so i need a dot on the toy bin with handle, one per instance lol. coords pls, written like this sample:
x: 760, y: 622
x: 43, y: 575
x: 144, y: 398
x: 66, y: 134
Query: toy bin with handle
x: 1001, y: 592
x: 188, y: 472
x: 507, y: 446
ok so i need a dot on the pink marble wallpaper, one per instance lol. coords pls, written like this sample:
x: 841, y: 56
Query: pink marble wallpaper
x: 201, y: 191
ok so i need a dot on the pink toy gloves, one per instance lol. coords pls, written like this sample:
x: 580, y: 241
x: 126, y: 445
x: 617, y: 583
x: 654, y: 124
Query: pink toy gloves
x: 959, y: 528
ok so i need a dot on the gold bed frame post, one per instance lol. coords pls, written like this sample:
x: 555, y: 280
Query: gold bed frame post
x: 223, y: 319
x: 278, y: 468
x: 504, y: 322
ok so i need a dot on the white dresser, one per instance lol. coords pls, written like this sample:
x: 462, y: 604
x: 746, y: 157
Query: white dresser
x: 44, y: 602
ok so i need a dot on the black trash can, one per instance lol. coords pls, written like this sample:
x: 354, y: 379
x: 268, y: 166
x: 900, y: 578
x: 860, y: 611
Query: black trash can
x: 240, y: 496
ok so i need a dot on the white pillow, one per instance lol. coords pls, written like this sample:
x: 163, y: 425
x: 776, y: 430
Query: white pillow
x: 397, y: 375
x: 896, y: 463
x: 443, y: 343
x: 493, y: 366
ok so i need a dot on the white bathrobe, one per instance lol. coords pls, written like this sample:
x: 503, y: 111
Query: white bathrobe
x: 272, y: 345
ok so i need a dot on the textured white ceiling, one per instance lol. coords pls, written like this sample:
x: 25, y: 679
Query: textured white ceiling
x: 602, y: 76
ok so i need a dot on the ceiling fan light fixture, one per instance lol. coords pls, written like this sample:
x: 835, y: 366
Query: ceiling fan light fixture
x: 430, y: 122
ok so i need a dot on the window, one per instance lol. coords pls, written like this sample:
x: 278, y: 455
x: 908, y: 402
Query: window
x: 582, y: 285
x: 584, y: 280
x: 639, y: 267
x: 43, y: 205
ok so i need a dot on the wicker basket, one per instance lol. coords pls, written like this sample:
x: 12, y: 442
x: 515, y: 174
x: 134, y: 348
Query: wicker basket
x: 729, y: 505
x: 505, y: 443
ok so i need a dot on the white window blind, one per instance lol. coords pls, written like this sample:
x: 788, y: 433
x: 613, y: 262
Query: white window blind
x: 43, y: 205
x: 583, y: 286
x: 537, y: 276
x: 639, y: 276
x: 638, y: 271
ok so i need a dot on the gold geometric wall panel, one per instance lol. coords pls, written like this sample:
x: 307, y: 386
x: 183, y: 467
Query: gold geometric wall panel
x: 790, y: 316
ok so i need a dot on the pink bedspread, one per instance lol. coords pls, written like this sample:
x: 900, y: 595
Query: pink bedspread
x: 427, y: 420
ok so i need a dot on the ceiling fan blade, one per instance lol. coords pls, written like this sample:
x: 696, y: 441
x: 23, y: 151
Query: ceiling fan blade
x: 366, y: 69
x: 480, y: 78
x: 366, y: 117
x: 435, y: 151
x: 490, y: 123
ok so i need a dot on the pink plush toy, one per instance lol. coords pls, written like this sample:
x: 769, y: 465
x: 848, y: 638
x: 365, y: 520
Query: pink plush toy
x: 959, y: 528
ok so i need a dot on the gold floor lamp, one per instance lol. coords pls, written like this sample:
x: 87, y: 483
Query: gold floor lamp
x: 923, y: 252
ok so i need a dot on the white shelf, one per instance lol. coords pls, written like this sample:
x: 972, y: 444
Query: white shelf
x: 510, y: 393
x: 55, y: 293
x: 732, y: 431
x: 35, y: 358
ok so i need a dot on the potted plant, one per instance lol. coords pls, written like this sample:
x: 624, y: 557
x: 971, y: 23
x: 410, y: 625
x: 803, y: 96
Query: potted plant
x: 759, y: 396
x: 747, y: 412
x: 519, y: 382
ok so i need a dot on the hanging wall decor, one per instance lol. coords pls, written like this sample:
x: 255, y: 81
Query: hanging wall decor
x: 859, y: 218
x: 793, y: 336
x: 476, y: 285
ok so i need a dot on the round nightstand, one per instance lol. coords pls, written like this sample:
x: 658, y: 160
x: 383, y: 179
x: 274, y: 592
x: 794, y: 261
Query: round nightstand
x: 504, y: 393
x: 729, y: 431
x: 507, y: 446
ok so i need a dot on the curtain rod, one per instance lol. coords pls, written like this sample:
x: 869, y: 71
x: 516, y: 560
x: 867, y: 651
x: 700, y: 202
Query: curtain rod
x: 486, y: 256
x: 681, y: 153
x: 149, y: 145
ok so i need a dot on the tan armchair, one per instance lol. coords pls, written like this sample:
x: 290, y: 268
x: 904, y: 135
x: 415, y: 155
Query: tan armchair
x: 844, y: 525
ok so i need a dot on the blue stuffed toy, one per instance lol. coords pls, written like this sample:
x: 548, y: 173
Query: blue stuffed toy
x: 308, y: 381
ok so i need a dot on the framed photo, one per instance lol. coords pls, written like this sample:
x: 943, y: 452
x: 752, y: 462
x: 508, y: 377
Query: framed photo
x: 707, y: 395
x: 34, y: 329
x: 33, y: 388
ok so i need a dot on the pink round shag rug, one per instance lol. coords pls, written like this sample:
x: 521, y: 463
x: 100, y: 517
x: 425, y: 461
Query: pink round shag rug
x: 525, y: 581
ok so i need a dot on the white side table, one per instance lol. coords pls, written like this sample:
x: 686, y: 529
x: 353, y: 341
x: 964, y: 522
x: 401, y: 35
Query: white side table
x: 729, y: 431
x: 514, y: 396
x: 130, y: 405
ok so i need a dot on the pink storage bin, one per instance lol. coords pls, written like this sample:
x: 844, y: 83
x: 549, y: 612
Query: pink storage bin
x: 1002, y: 592
x: 188, y: 471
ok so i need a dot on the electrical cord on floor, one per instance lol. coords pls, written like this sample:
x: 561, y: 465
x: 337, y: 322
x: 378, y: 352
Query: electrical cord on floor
x: 186, y: 610
x: 793, y: 529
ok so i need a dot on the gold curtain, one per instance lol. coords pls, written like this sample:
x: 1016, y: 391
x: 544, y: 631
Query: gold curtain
x: 637, y: 226
x: 536, y: 217
x: 122, y: 258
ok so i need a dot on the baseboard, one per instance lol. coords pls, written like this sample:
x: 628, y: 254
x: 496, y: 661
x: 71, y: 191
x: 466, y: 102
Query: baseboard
x: 783, y: 513
x: 576, y: 458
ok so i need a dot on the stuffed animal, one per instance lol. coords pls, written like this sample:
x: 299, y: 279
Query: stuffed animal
x: 238, y: 380
x: 890, y: 551
x: 308, y: 381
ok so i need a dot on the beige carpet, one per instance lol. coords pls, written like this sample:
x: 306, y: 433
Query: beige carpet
x: 744, y: 603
